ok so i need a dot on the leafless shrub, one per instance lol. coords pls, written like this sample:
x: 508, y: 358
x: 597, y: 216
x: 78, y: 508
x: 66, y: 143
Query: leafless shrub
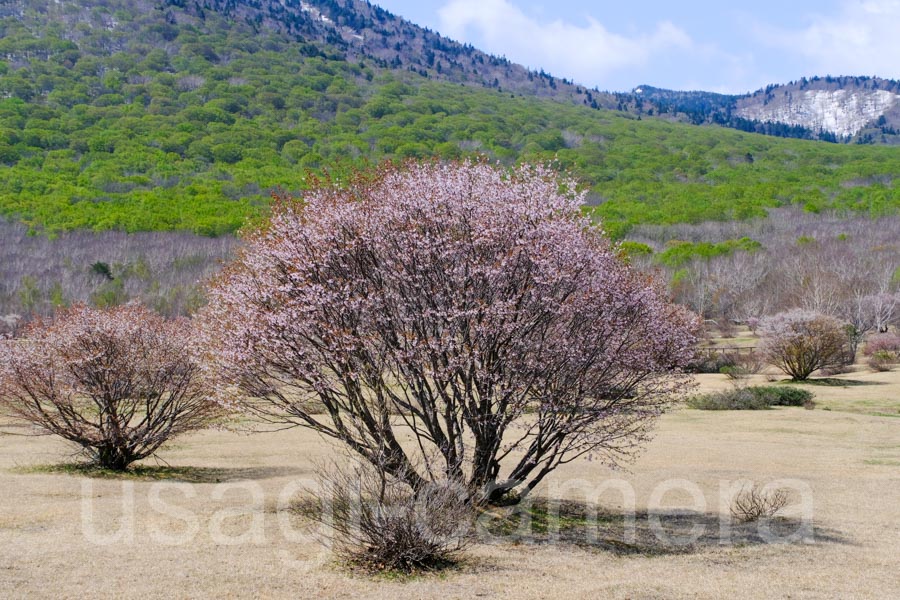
x: 380, y: 523
x: 727, y: 328
x: 753, y: 503
x: 743, y: 365
x: 837, y: 369
x: 751, y: 362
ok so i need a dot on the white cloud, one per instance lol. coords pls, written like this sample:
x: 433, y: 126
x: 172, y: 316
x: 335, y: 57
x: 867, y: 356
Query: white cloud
x: 589, y: 54
x: 860, y: 39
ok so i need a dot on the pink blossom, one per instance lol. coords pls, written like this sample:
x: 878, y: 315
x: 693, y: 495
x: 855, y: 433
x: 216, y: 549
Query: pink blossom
x: 118, y: 382
x: 472, y: 305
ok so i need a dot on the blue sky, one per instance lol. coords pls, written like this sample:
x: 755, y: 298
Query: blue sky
x: 708, y: 45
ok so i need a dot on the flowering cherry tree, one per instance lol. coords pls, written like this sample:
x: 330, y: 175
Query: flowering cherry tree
x: 118, y: 383
x: 448, y: 321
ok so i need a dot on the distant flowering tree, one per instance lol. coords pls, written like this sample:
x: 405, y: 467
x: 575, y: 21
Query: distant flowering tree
x: 800, y: 342
x: 882, y: 308
x: 448, y: 321
x: 118, y: 383
x: 865, y: 313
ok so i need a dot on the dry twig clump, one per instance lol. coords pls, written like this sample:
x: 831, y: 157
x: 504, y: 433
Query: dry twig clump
x: 380, y: 523
x: 754, y: 502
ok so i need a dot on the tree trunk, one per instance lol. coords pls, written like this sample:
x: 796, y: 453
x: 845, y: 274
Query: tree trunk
x: 113, y: 458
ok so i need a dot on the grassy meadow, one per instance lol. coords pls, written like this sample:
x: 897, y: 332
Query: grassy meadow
x: 131, y: 156
x: 216, y: 518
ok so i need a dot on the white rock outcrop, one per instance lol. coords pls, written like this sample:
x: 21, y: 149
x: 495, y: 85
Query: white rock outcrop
x: 841, y: 112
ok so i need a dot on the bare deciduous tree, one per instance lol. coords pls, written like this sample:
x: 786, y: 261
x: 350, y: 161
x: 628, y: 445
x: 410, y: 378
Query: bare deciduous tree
x: 881, y: 309
x: 835, y: 264
x: 39, y: 274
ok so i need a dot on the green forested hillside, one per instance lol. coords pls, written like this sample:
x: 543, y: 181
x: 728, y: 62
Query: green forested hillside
x: 137, y: 115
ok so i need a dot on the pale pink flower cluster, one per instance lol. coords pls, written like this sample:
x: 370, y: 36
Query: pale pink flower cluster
x: 799, y: 342
x: 116, y: 382
x: 470, y: 305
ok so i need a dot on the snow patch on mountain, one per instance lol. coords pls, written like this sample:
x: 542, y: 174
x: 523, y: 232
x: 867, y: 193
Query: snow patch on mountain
x: 842, y: 112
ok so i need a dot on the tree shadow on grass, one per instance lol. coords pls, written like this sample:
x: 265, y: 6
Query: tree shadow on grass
x: 648, y: 533
x: 830, y: 382
x: 162, y: 472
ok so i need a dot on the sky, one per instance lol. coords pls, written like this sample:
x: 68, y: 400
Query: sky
x: 704, y: 45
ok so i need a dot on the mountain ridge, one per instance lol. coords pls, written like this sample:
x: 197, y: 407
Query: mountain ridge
x: 150, y: 115
x: 867, y: 111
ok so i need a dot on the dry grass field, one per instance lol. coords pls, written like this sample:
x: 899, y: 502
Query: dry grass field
x: 214, y: 528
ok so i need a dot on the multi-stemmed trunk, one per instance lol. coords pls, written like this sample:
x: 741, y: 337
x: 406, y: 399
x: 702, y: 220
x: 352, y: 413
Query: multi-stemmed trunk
x: 114, y: 458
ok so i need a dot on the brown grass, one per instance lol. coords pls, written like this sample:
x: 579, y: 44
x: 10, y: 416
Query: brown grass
x: 848, y: 455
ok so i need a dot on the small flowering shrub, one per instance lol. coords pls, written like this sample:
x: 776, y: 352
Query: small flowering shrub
x: 118, y: 382
x: 468, y: 306
x: 883, y: 342
x: 800, y: 342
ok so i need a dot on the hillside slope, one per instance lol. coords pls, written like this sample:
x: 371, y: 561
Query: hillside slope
x: 152, y: 115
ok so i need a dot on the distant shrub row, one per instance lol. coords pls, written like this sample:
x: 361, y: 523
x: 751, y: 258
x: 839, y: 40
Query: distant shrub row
x: 716, y: 362
x: 752, y: 398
